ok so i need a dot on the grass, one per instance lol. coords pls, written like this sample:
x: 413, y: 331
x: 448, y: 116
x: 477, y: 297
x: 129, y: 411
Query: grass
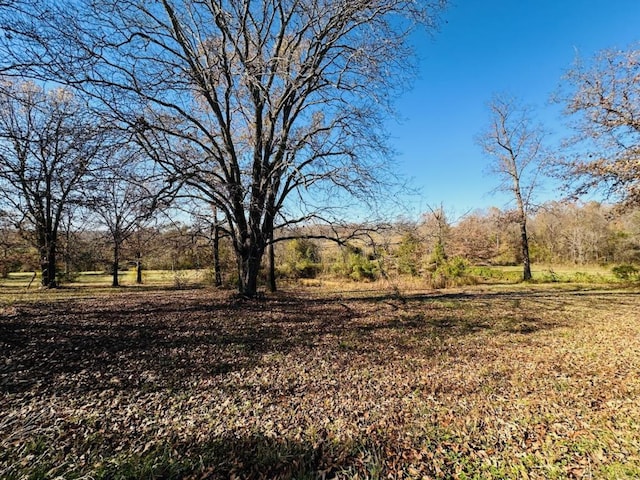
x: 525, y: 381
x: 21, y: 286
x: 589, y: 274
x: 126, y: 278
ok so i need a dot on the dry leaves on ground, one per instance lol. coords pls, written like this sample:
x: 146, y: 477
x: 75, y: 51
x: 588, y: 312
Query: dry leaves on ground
x: 196, y: 384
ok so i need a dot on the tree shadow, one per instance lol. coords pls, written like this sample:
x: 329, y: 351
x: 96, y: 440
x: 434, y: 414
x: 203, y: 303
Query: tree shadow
x: 163, y: 341
x: 232, y: 455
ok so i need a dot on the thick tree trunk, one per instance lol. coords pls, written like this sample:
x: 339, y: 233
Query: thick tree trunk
x: 249, y: 266
x: 48, y: 265
x: 47, y: 247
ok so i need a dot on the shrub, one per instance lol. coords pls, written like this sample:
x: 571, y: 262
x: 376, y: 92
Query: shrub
x: 362, y: 268
x: 452, y: 272
x: 302, y: 259
x: 487, y: 274
x: 357, y: 266
x: 626, y: 272
x: 409, y: 255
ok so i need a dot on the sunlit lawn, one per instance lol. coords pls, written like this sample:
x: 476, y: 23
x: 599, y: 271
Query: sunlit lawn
x: 157, y: 278
x: 545, y: 272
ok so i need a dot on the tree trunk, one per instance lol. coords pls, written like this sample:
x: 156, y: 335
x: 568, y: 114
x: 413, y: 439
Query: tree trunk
x: 249, y: 266
x: 216, y: 255
x: 138, y: 268
x: 524, y: 243
x: 271, y: 279
x: 116, y: 261
x: 524, y: 238
x: 48, y: 265
x: 67, y: 252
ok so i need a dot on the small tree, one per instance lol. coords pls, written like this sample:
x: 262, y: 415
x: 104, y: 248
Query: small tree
x: 409, y: 254
x: 125, y: 194
x: 514, y: 146
x: 208, y: 225
x: 48, y: 142
x: 438, y: 230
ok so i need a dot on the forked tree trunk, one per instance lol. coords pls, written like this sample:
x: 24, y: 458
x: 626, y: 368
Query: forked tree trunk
x: 249, y: 262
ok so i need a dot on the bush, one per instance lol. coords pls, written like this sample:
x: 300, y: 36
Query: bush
x: 409, y: 255
x: 452, y: 272
x: 626, y: 272
x: 301, y: 269
x: 362, y: 268
x: 302, y: 259
x: 494, y: 274
x: 357, y: 266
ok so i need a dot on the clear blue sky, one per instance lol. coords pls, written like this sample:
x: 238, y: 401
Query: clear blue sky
x: 522, y: 47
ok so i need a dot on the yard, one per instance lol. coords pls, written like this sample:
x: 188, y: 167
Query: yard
x: 535, y: 381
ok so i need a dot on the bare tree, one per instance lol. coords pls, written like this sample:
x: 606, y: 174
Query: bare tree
x: 125, y: 195
x: 262, y: 104
x: 48, y: 142
x: 514, y: 145
x: 604, y: 97
x: 474, y: 238
x: 208, y: 225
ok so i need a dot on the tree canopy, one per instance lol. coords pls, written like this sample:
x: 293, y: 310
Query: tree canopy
x: 48, y: 144
x: 603, y: 96
x: 267, y: 109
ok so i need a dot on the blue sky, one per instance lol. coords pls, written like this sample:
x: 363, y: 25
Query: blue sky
x: 522, y: 47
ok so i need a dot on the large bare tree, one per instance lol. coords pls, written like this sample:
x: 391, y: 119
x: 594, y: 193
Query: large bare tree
x: 258, y: 105
x: 48, y: 142
x: 603, y: 95
x: 514, y: 145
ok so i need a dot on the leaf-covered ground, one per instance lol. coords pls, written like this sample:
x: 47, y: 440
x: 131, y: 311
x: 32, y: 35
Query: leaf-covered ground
x: 195, y: 384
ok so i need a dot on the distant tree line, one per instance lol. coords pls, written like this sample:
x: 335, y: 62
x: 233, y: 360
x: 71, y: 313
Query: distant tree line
x: 433, y: 248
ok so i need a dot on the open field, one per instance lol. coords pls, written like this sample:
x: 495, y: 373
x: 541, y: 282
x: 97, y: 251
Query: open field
x: 24, y: 282
x: 486, y: 382
x: 154, y: 278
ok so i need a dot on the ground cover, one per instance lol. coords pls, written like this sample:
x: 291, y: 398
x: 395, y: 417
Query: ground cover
x: 486, y: 382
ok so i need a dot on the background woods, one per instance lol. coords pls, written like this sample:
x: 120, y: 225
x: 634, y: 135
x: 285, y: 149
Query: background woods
x: 560, y: 233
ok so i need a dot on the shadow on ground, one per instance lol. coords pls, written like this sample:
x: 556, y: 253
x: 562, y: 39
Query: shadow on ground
x: 162, y: 340
x: 65, y: 366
